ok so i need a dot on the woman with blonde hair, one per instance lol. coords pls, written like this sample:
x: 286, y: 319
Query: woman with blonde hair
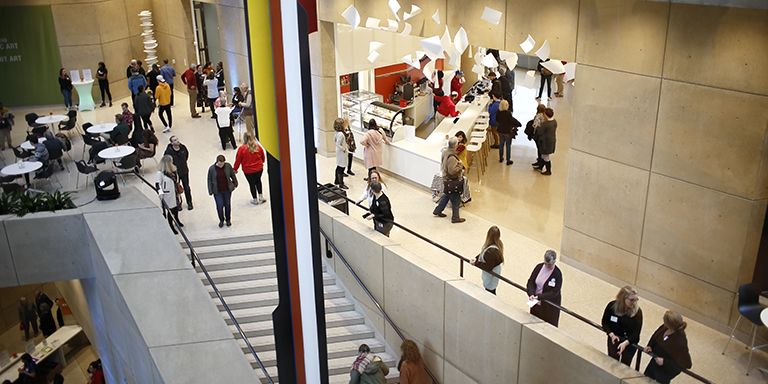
x: 670, y: 345
x: 490, y: 259
x: 167, y: 183
x: 340, y: 138
x: 251, y: 155
x: 368, y: 194
x: 411, y: 366
x: 622, y: 322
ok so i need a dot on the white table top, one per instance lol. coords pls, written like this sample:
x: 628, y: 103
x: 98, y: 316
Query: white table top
x: 82, y: 82
x: 55, y: 341
x: 117, y: 152
x: 28, y: 145
x: 14, y: 169
x: 102, y: 128
x: 51, y: 119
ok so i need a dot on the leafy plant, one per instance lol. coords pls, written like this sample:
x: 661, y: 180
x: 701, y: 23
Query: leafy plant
x: 20, y: 204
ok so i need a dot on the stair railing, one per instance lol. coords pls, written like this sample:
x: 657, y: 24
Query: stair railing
x: 370, y: 296
x: 463, y: 260
x: 194, y: 257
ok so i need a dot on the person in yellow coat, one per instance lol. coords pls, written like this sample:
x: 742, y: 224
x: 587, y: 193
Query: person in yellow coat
x: 163, y: 97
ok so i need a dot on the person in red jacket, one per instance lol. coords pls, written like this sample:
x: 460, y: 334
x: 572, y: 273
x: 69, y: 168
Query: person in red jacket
x: 456, y: 84
x: 446, y: 107
x: 251, y: 155
x: 188, y: 78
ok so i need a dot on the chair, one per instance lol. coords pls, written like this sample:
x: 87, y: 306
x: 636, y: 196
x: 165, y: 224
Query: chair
x: 45, y: 174
x: 749, y: 307
x: 97, y: 147
x: 21, y: 153
x: 127, y: 163
x: 87, y: 141
x: 31, y: 117
x: 8, y: 184
x: 69, y: 124
x: 39, y: 131
x: 84, y: 169
x: 122, y: 139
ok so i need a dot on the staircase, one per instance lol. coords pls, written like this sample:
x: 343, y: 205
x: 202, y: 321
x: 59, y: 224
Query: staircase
x: 243, y: 269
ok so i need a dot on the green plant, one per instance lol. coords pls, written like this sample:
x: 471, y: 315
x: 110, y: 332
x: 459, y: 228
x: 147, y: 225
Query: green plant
x: 20, y: 204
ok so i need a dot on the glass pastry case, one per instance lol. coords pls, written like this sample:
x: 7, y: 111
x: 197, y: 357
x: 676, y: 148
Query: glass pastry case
x: 390, y: 118
x: 355, y: 103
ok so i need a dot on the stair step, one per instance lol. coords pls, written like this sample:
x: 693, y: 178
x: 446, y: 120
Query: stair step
x: 332, y: 335
x: 335, y: 367
x: 266, y: 299
x: 228, y: 240
x: 344, y: 349
x: 214, y: 251
x: 242, y: 274
x: 255, y: 286
x: 392, y: 378
x: 332, y: 320
x: 238, y: 261
x: 251, y: 315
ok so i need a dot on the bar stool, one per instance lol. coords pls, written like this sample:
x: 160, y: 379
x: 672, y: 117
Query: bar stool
x: 473, y: 151
x: 749, y: 307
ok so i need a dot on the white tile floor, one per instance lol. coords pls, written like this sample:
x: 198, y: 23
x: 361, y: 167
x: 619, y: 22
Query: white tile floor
x: 528, y: 208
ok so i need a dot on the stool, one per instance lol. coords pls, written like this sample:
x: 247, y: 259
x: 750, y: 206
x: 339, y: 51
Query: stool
x: 749, y: 307
x: 473, y: 150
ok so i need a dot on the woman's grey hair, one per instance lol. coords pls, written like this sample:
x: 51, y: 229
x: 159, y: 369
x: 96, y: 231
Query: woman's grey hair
x: 550, y: 256
x: 453, y: 142
x: 375, y: 186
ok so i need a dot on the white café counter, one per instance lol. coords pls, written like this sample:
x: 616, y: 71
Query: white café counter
x: 420, y: 161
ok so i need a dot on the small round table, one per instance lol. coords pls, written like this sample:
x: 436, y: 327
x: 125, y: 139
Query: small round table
x: 101, y: 128
x: 51, y: 119
x: 24, y: 168
x: 83, y: 89
x: 117, y: 152
x: 27, y: 145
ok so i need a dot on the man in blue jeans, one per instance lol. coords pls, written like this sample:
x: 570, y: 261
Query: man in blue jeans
x: 168, y: 74
x: 452, y: 169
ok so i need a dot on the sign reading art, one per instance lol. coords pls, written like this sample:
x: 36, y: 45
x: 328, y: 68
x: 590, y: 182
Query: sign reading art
x: 29, y: 56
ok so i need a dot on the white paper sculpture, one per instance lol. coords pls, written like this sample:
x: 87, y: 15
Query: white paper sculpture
x: 374, y: 46
x: 150, y: 44
x: 543, y: 52
x: 352, y: 16
x: 373, y: 56
x: 489, y: 61
x: 394, y: 6
x: 436, y: 16
x: 372, y: 23
x: 432, y: 47
x: 528, y: 44
x: 461, y: 41
x: 414, y: 11
x: 407, y: 30
x: 491, y: 15
x: 556, y: 66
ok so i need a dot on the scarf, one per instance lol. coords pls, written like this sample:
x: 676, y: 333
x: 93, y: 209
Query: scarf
x: 362, y: 362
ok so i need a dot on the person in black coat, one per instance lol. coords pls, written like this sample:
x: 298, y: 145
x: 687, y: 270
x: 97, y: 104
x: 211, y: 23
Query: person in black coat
x: 40, y: 299
x: 59, y: 316
x: 544, y: 284
x: 622, y: 322
x: 180, y: 154
x: 670, y: 345
x: 47, y: 324
x: 380, y: 210
x: 546, y: 139
x: 144, y: 106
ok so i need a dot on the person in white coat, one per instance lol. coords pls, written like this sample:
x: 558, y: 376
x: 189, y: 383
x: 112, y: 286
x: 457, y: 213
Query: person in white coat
x: 340, y: 126
x: 166, y: 182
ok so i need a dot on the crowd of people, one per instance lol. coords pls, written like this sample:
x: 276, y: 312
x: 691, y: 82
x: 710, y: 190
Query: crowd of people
x: 42, y: 310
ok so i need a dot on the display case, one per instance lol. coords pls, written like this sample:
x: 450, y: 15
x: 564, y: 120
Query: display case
x: 355, y: 103
x: 390, y: 118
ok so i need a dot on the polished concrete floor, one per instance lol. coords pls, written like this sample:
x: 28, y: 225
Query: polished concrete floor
x: 527, y: 206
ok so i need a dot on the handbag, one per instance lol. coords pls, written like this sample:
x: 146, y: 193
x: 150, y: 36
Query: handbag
x: 453, y: 186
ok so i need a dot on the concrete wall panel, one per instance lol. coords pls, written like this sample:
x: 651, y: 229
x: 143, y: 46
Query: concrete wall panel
x: 627, y: 35
x: 711, y: 137
x: 604, y: 257
x: 113, y: 20
x: 479, y: 32
x: 611, y: 123
x: 716, y: 46
x: 7, y: 270
x: 76, y: 24
x: 695, y: 230
x: 606, y: 200
x: 551, y: 20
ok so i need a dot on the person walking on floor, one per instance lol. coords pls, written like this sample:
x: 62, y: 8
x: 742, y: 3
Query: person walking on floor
x: 453, y: 174
x: 152, y: 78
x: 211, y: 84
x: 224, y: 121
x: 546, y: 76
x: 507, y: 130
x: 190, y: 80
x: 535, y: 124
x: 411, y: 365
x: 201, y: 91
x: 180, y: 156
x: 166, y: 182
x: 341, y: 152
x: 144, y: 106
x: 546, y: 140
x: 252, y: 157
x: 221, y: 182
x: 493, y: 110
x: 135, y: 82
x: 102, y: 75
x: 351, y: 146
x: 168, y: 74
x: 622, y: 322
x: 27, y: 316
x: 490, y: 259
x: 247, y: 108
x: 220, y: 76
x: 544, y: 285
x: 164, y: 95
x: 670, y: 345
x: 65, y: 83
x: 368, y: 368
x: 372, y: 146
x: 380, y: 210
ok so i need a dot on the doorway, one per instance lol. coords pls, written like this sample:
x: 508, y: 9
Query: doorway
x: 206, y: 33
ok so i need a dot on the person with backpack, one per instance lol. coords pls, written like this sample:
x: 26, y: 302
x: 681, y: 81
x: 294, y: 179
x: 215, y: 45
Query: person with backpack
x: 546, y: 75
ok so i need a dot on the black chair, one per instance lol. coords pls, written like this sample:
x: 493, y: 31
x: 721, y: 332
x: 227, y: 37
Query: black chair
x: 127, y: 163
x: 45, y: 174
x: 55, y: 152
x: 88, y: 141
x: 97, y: 147
x: 84, y: 169
x: 749, y: 307
x: 122, y: 139
x: 31, y: 117
x: 69, y: 124
x: 8, y: 184
x: 40, y: 131
x: 21, y: 153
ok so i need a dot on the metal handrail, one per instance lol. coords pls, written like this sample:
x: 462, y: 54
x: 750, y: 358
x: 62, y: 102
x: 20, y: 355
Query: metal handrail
x: 463, y: 260
x: 194, y: 257
x: 370, y: 296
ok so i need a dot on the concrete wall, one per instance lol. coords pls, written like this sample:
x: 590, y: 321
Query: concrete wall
x: 144, y: 309
x: 233, y: 42
x: 465, y: 334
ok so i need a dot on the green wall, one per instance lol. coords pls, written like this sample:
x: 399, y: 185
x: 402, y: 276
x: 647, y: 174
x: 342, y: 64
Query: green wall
x: 29, y: 57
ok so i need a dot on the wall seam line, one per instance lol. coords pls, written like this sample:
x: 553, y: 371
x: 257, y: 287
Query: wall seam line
x: 689, y: 275
x: 600, y: 240
x: 8, y: 241
x: 576, y: 46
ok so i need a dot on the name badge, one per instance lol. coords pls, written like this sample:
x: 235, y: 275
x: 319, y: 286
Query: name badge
x: 551, y: 283
x: 614, y: 319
